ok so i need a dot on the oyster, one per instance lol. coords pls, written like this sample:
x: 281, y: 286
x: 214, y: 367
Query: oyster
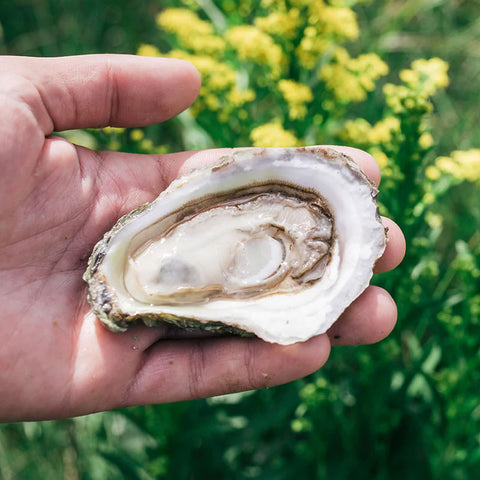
x: 275, y: 242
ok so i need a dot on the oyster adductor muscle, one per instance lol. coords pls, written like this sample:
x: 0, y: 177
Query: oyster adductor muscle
x: 274, y: 242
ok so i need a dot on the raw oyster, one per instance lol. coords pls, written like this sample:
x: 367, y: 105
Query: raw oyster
x: 275, y: 242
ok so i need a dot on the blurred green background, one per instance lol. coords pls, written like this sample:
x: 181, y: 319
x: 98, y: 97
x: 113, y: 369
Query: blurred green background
x: 406, y: 408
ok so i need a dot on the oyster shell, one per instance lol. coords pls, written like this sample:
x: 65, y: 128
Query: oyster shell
x: 275, y: 242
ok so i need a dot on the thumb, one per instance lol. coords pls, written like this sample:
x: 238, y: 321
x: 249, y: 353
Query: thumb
x: 100, y: 90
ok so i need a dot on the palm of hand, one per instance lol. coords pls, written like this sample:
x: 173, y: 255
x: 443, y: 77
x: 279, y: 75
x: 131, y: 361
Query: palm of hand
x: 57, y: 201
x: 50, y: 221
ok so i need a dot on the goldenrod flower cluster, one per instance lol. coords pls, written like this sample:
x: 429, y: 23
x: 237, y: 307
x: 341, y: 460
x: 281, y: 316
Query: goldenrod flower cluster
x: 254, y: 45
x: 291, y: 50
x: 420, y: 82
x: 312, y: 47
x: 426, y: 76
x: 461, y: 164
x: 361, y: 132
x: 192, y: 32
x: 297, y: 95
x: 349, y: 79
x: 402, y: 99
x: 239, y: 97
x: 374, y: 138
x: 273, y: 135
x: 291, y: 31
x: 281, y: 24
x: 220, y: 92
x: 425, y: 140
x: 327, y: 26
x: 340, y: 22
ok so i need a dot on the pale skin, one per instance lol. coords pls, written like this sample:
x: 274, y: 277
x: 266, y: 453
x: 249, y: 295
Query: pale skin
x: 57, y: 200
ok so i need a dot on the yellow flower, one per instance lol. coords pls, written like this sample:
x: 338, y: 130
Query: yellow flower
x: 446, y: 165
x: 426, y: 76
x: 434, y: 220
x: 212, y: 102
x: 273, y: 135
x: 340, y: 22
x: 426, y: 140
x: 380, y: 157
x: 311, y: 48
x: 295, y: 92
x: 462, y: 164
x: 420, y: 81
x: 146, y: 50
x: 238, y: 97
x: 428, y: 198
x: 402, y: 99
x: 369, y: 68
x: 328, y: 25
x: 382, y: 131
x: 257, y: 46
x: 136, y: 135
x: 146, y: 145
x: 192, y: 32
x: 432, y: 172
x: 350, y: 79
x: 362, y: 132
x: 356, y: 131
x: 218, y: 82
x: 297, y: 95
x: 283, y: 24
x: 216, y: 75
x: 343, y: 84
x: 297, y: 111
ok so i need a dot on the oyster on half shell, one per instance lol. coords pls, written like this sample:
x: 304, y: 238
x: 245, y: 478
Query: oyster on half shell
x: 275, y: 242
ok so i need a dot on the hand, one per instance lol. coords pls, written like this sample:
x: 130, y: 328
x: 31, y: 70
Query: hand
x: 57, y: 200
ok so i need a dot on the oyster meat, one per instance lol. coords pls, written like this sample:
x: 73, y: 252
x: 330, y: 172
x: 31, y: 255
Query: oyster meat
x: 275, y: 242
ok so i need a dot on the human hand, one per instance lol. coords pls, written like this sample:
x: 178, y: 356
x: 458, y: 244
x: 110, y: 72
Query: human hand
x: 57, y: 200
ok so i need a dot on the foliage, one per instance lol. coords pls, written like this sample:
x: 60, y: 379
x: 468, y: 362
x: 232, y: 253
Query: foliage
x: 294, y: 72
x: 270, y: 69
